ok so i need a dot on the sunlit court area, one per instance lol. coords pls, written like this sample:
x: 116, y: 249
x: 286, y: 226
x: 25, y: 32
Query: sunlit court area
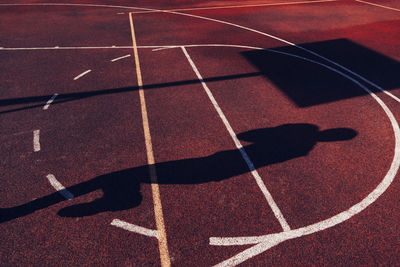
x: 200, y: 133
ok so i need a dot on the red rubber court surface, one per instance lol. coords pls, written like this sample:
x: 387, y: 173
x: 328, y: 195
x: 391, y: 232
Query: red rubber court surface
x: 200, y: 133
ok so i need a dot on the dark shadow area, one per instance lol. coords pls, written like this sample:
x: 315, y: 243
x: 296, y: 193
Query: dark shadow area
x: 63, y: 98
x: 121, y: 189
x: 308, y: 84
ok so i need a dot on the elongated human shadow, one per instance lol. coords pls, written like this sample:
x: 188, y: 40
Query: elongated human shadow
x: 121, y: 189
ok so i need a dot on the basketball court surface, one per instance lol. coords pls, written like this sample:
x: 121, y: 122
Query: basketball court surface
x: 200, y: 133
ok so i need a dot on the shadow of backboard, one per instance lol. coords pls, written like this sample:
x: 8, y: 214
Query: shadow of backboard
x: 308, y: 84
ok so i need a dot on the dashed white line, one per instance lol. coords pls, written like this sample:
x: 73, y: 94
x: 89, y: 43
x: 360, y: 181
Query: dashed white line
x: 36, y: 142
x: 134, y: 228
x: 118, y: 58
x: 59, y: 187
x: 48, y: 103
x: 82, y: 74
x: 277, y: 212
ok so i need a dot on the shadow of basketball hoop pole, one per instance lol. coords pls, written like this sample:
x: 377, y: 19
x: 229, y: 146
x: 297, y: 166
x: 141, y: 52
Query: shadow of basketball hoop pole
x: 121, y: 189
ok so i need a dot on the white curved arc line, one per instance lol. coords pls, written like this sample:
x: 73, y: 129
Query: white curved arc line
x: 119, y: 58
x: 288, y: 43
x: 157, y: 10
x: 82, y: 74
x: 265, y: 242
x: 241, y: 6
x: 274, y: 239
x: 50, y: 101
x: 59, y: 187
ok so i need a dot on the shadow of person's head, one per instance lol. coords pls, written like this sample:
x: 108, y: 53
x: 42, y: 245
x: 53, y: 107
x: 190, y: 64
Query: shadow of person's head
x: 302, y: 132
x: 289, y: 141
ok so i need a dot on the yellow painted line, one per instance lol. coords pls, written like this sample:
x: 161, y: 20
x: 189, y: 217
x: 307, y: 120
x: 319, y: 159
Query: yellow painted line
x: 235, y: 6
x: 162, y: 236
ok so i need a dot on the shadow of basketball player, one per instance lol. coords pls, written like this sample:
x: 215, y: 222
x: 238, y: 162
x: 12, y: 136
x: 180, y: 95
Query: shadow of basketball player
x: 121, y: 189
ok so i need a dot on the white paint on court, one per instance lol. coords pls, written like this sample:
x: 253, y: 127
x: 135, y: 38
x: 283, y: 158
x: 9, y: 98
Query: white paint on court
x: 59, y: 187
x: 82, y: 74
x: 119, y: 58
x: 48, y: 103
x: 36, y: 140
x: 134, y: 228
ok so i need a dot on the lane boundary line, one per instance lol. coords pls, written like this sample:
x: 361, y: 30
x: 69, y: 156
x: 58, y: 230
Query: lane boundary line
x: 275, y: 209
x: 162, y: 236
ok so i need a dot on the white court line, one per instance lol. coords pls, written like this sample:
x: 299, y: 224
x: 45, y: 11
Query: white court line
x: 59, y: 187
x: 36, y: 142
x: 373, y: 4
x: 78, y: 5
x: 237, y: 6
x: 277, y: 212
x: 119, y: 58
x: 82, y: 74
x: 48, y: 103
x: 134, y: 228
